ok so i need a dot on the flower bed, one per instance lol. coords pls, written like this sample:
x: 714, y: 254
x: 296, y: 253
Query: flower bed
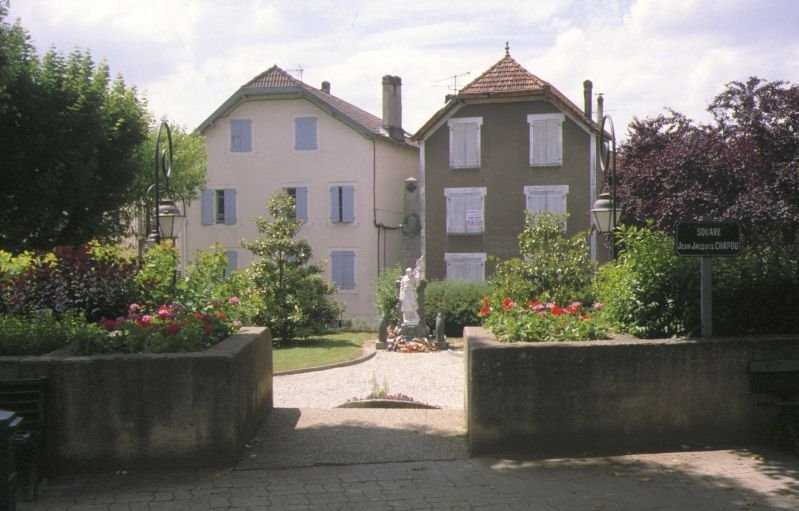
x: 542, y: 321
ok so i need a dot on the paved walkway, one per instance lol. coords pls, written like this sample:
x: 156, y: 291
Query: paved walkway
x: 693, y: 481
x: 433, y: 378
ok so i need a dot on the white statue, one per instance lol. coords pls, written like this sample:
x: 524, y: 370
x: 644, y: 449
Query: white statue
x: 409, y: 304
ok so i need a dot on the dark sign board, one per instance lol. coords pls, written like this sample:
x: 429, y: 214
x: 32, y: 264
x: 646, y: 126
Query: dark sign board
x: 708, y: 239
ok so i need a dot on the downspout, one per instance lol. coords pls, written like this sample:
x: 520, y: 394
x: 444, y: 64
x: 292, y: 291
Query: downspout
x: 378, y: 225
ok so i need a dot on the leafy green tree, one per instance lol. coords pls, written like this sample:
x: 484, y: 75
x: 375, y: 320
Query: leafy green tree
x: 68, y: 136
x: 189, y: 163
x: 296, y: 301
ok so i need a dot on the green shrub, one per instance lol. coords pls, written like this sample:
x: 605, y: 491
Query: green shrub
x: 552, y: 267
x: 386, y: 294
x: 649, y: 291
x: 157, y: 277
x: 459, y: 302
x: 43, y: 332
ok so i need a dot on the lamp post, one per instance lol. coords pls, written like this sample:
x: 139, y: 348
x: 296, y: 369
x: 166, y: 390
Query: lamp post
x: 605, y: 212
x: 165, y: 211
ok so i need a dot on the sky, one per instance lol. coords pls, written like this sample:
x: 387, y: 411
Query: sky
x: 189, y: 56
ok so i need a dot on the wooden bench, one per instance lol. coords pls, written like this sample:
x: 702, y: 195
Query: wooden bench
x: 27, y: 398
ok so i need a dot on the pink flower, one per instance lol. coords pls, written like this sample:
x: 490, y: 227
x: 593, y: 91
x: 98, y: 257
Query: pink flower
x: 164, y: 312
x: 233, y: 300
x: 574, y: 307
x: 598, y: 306
x: 145, y: 320
x: 237, y: 323
x: 134, y: 308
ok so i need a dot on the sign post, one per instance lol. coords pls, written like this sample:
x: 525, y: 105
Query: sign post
x: 706, y: 240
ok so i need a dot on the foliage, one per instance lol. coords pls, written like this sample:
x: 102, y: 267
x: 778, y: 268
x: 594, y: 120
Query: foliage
x: 536, y: 321
x: 93, y: 279
x: 552, y: 267
x: 68, y: 136
x: 386, y: 294
x: 168, y: 329
x: 295, y: 301
x: 457, y: 301
x: 649, y: 291
x: 156, y: 279
x: 744, y: 166
x: 43, y: 332
x: 189, y: 163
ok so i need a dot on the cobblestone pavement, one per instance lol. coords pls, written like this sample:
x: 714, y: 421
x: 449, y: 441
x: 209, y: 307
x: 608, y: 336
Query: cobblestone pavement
x: 433, y: 378
x: 702, y: 481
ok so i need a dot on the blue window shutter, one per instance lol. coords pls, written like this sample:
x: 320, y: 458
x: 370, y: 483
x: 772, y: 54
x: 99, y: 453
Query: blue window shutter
x: 334, y: 204
x: 208, y: 207
x: 240, y: 135
x: 335, y: 268
x: 347, y: 204
x: 347, y: 270
x: 230, y: 206
x: 246, y: 137
x: 232, y: 261
x: 301, y: 198
x: 305, y: 134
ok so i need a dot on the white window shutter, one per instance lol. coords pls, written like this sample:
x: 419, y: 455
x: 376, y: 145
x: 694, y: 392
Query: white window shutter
x: 538, y: 142
x: 457, y: 149
x: 536, y: 202
x: 554, y: 141
x: 473, y: 217
x: 556, y: 202
x: 471, y: 145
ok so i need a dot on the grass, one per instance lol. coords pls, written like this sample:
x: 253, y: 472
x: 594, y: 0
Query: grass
x: 321, y: 350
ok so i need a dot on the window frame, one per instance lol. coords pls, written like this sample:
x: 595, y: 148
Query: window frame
x: 354, y: 288
x: 219, y: 199
x: 455, y: 192
x: 230, y: 139
x: 465, y: 120
x: 481, y: 257
x: 316, y: 134
x: 531, y: 118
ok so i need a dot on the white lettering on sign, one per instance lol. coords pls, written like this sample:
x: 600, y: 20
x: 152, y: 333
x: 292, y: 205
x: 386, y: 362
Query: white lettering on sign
x: 705, y: 232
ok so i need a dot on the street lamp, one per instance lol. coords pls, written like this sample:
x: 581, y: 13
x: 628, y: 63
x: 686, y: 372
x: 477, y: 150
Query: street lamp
x: 605, y: 212
x: 165, y: 211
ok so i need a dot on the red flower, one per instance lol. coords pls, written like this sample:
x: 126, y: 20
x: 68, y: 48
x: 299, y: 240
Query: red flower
x: 485, y: 309
x: 145, y: 320
x: 556, y: 310
x: 172, y: 328
x: 108, y: 324
x: 574, y: 307
x: 198, y: 315
x: 536, y: 306
x: 164, y: 312
x: 507, y: 304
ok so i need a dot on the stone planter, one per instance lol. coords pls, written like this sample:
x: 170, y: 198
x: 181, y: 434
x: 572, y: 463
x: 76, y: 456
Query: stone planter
x: 114, y: 411
x: 615, y: 396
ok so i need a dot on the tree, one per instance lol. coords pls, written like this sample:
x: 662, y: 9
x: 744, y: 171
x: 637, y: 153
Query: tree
x: 743, y: 166
x: 68, y: 136
x: 295, y: 299
x: 189, y: 165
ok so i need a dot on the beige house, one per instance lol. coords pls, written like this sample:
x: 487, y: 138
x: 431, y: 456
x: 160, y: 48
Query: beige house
x: 506, y: 144
x: 344, y: 166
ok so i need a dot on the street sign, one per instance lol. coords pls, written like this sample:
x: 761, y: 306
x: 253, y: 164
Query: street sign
x: 708, y: 239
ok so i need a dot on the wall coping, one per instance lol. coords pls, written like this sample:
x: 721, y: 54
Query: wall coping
x: 228, y: 348
x: 481, y: 338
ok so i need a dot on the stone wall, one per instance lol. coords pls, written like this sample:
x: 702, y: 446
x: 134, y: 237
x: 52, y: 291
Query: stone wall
x: 615, y: 396
x: 117, y: 411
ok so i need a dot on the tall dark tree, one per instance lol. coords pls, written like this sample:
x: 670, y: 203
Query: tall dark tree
x: 743, y: 166
x: 68, y: 139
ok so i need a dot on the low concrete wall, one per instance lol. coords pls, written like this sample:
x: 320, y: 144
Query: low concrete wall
x: 615, y: 396
x: 113, y: 411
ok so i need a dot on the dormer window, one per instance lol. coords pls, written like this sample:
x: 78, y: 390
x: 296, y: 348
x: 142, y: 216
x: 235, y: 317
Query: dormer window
x: 464, y: 142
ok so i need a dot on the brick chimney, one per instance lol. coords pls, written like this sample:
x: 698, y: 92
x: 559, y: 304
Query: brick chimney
x: 326, y: 87
x: 392, y: 106
x: 588, y: 88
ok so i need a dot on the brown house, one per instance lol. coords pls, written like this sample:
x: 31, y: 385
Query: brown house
x: 506, y: 143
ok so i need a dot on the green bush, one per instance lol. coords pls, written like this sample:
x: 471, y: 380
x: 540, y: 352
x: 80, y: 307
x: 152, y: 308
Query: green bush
x: 459, y: 302
x: 43, y: 332
x: 649, y: 291
x: 386, y: 294
x: 535, y: 321
x: 552, y: 267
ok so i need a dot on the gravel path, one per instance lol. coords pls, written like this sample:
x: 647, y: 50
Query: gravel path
x: 433, y: 378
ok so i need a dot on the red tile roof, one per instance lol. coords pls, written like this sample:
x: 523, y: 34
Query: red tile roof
x: 505, y: 76
x: 277, y: 78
